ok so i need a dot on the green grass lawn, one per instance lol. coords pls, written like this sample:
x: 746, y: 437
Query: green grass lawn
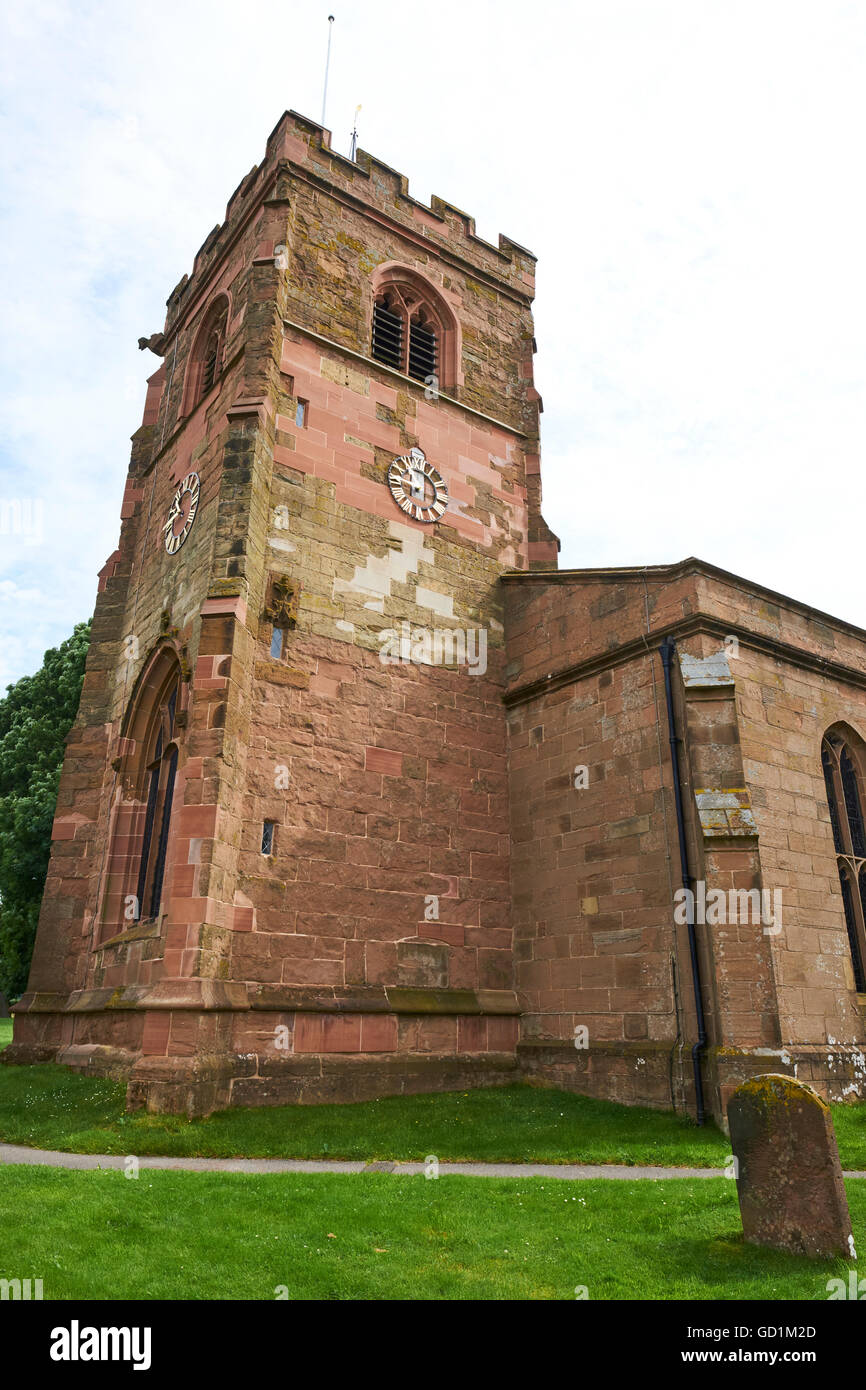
x: 330, y: 1236
x: 849, y: 1122
x: 219, y: 1236
x: 51, y: 1107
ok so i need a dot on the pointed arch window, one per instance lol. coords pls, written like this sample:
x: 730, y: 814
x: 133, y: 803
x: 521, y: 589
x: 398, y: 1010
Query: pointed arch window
x: 406, y: 333
x: 843, y: 779
x: 148, y: 782
x: 207, y: 358
x: 413, y: 331
x: 160, y: 772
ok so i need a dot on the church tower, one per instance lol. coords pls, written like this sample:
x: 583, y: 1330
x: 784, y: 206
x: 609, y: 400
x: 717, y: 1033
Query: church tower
x: 280, y: 866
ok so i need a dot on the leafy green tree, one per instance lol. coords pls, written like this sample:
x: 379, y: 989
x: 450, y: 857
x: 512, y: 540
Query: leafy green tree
x: 35, y: 717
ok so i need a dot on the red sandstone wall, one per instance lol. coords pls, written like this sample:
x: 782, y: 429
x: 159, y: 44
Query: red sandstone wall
x: 592, y: 879
x: 751, y: 726
x: 591, y: 871
x: 784, y: 709
x: 394, y: 776
x: 397, y: 782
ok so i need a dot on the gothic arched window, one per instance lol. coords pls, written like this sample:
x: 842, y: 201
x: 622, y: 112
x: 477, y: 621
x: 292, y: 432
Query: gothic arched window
x: 843, y: 780
x: 207, y: 357
x: 160, y: 769
x: 413, y: 331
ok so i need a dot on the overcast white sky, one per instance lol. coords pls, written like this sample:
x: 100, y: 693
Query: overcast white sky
x: 690, y: 174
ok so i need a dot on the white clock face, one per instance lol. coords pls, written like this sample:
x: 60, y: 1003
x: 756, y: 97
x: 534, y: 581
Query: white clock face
x: 181, y: 516
x: 418, y: 489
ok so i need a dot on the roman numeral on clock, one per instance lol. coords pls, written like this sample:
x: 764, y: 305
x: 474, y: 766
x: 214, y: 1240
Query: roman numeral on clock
x: 189, y: 488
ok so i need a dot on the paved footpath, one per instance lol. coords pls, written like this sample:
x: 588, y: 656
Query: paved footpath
x: 50, y: 1158
x: 16, y: 1153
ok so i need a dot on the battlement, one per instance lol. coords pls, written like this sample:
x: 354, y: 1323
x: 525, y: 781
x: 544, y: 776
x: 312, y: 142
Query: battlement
x: 300, y: 147
x: 387, y: 188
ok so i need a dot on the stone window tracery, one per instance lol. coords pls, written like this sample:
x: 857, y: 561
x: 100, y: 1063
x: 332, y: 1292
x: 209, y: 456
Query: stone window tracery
x: 413, y: 331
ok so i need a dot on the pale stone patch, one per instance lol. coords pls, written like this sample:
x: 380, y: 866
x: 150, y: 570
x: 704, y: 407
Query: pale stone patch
x: 343, y: 375
x: 375, y: 577
x: 441, y: 604
x: 725, y: 811
x: 705, y: 670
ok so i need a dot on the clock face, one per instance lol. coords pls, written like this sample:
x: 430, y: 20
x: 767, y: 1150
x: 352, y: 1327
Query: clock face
x: 417, y: 488
x: 181, y: 516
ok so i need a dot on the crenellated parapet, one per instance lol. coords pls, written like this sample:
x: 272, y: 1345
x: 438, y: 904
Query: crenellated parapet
x: 302, y: 146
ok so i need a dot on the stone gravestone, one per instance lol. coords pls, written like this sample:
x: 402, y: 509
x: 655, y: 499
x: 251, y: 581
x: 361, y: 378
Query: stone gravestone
x: 789, y: 1178
x: 4, y: 1006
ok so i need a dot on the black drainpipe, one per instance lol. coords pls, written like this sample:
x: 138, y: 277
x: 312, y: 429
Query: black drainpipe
x: 667, y: 649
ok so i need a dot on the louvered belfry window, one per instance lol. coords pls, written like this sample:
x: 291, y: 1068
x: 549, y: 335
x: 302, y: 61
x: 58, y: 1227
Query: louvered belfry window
x: 387, y: 335
x: 213, y: 353
x: 405, y: 333
x: 422, y: 350
x: 844, y: 797
x: 207, y: 356
x: 211, y: 362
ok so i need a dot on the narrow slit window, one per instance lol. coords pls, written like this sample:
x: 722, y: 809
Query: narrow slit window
x: 827, y: 760
x: 851, y: 793
x: 159, y: 868
x: 268, y: 837
x: 301, y: 414
x: 278, y: 638
x: 851, y: 925
x: 150, y: 815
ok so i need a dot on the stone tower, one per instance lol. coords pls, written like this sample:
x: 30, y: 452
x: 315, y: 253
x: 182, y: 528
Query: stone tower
x: 280, y: 865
